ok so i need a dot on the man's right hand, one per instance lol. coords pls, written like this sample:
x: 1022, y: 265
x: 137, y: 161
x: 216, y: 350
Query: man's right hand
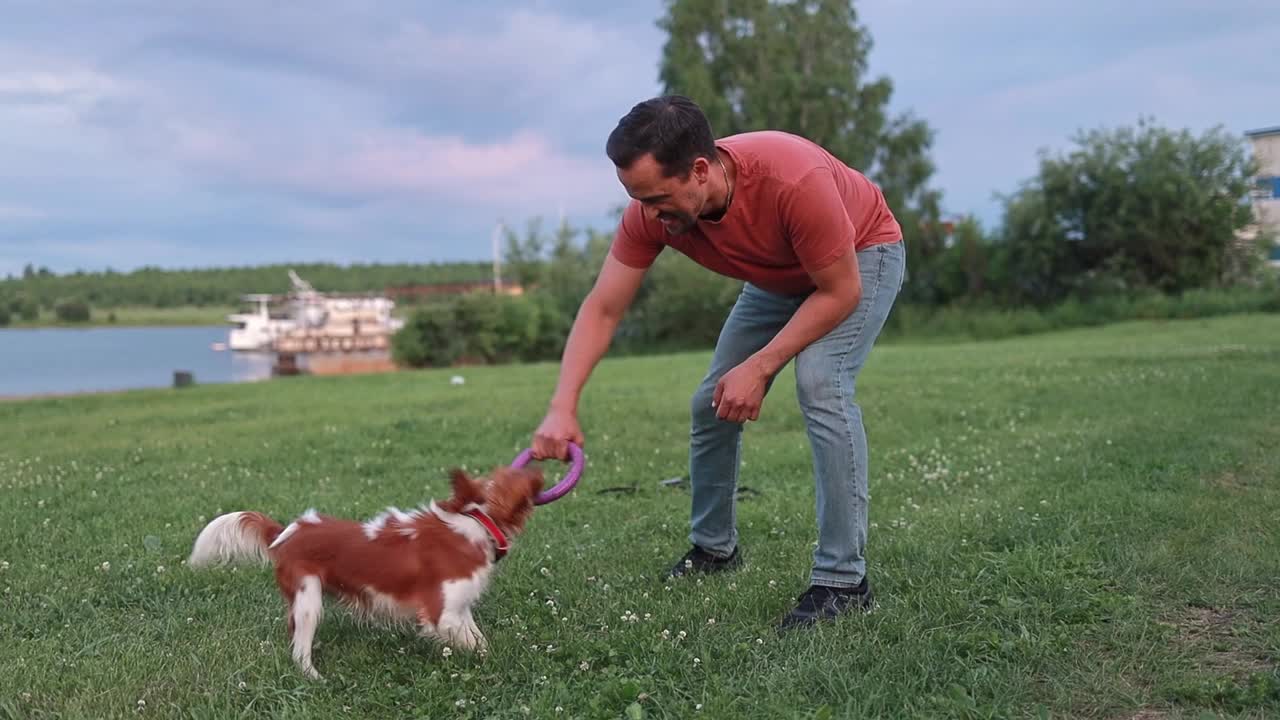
x: 552, y: 438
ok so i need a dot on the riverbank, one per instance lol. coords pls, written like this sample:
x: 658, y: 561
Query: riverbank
x: 189, y: 315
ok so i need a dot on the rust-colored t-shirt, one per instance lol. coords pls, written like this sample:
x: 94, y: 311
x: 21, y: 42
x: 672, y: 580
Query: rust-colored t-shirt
x: 796, y: 208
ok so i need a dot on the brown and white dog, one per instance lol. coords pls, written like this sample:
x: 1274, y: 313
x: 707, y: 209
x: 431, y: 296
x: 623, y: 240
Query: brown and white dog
x: 428, y: 566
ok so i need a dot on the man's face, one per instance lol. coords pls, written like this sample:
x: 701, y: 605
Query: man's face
x: 674, y: 201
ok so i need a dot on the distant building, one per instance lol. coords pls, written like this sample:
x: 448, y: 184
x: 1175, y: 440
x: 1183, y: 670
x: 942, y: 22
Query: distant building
x: 1266, y: 187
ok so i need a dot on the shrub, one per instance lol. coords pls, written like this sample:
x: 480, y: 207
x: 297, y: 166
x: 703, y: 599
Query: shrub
x: 481, y: 328
x: 74, y: 310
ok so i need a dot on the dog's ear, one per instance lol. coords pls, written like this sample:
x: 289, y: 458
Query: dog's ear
x: 466, y: 491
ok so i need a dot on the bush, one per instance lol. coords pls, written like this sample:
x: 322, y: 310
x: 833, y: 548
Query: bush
x: 24, y: 307
x: 481, y: 328
x: 72, y: 311
x: 986, y: 322
x: 5, y: 317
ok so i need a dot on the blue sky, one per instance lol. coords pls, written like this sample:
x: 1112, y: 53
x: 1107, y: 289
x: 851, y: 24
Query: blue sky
x: 185, y: 134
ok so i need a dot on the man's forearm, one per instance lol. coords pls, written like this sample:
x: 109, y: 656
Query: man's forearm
x: 816, y: 316
x: 588, y: 341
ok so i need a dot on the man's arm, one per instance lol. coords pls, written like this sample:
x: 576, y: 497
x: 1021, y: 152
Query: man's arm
x: 740, y: 393
x: 592, y: 333
x: 839, y: 289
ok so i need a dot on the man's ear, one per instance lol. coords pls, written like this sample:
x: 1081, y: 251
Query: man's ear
x: 466, y: 491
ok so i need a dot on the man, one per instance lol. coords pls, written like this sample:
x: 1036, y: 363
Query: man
x: 822, y: 262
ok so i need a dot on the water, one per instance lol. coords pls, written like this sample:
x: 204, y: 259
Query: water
x: 63, y: 360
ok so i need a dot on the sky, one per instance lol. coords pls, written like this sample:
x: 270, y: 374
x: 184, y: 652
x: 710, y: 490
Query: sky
x: 198, y: 134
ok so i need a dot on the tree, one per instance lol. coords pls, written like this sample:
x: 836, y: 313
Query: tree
x: 523, y: 260
x: 967, y: 269
x: 1129, y: 209
x: 801, y: 66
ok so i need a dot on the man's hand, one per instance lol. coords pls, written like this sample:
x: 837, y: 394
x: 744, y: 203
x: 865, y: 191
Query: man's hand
x: 552, y: 438
x: 740, y: 392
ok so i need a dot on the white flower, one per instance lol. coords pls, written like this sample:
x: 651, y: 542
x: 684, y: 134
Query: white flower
x: 447, y: 651
x: 584, y: 666
x: 461, y: 702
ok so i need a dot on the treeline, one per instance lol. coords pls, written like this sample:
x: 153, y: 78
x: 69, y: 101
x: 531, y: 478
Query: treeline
x: 38, y: 291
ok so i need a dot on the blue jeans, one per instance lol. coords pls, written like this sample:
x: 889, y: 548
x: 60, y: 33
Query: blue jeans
x: 825, y: 372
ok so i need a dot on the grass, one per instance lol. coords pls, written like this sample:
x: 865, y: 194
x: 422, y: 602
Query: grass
x: 1078, y: 524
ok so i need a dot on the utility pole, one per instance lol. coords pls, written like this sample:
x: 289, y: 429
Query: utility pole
x: 497, y: 262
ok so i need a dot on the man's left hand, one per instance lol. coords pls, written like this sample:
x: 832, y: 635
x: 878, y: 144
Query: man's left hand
x: 740, y: 392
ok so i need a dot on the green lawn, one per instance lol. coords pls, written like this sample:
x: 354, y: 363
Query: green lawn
x: 1080, y: 524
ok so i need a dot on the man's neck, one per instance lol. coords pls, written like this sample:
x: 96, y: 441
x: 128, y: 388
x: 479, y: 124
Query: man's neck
x: 721, y: 181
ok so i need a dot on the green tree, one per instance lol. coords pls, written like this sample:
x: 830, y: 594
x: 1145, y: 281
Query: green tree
x: 1129, y: 209
x: 968, y: 268
x: 801, y: 66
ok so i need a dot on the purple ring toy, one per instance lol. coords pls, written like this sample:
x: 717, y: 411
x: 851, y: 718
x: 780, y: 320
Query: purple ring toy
x: 565, y: 485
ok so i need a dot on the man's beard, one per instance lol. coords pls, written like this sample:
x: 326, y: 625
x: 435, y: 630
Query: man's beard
x: 679, y: 222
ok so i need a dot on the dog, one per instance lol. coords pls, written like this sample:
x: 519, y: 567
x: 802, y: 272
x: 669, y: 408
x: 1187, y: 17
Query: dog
x: 426, y: 567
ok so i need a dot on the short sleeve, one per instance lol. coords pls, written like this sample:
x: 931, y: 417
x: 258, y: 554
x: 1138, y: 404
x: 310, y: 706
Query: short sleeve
x: 816, y: 221
x: 634, y: 244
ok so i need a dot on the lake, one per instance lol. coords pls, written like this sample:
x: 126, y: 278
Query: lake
x: 43, y: 361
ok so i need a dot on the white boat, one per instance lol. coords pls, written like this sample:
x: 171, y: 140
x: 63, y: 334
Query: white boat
x: 306, y: 320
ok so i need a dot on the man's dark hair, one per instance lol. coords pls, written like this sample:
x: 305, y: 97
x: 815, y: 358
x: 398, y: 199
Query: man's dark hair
x: 672, y: 127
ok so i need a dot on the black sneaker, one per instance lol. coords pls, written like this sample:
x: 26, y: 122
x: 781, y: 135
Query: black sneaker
x: 698, y: 560
x: 825, y: 603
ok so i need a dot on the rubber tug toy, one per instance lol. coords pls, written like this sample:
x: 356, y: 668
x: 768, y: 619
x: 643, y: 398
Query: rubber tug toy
x: 566, y: 484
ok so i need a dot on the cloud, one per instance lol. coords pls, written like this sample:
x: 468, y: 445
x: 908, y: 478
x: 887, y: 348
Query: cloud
x: 1021, y: 77
x: 524, y: 172
x: 18, y: 212
x: 303, y: 106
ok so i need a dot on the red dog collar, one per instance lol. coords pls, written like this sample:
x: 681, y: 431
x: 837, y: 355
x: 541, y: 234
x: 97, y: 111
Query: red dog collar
x: 500, y: 540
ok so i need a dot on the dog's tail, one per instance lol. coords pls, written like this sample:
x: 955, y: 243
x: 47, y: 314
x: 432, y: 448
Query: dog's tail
x: 237, y: 536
